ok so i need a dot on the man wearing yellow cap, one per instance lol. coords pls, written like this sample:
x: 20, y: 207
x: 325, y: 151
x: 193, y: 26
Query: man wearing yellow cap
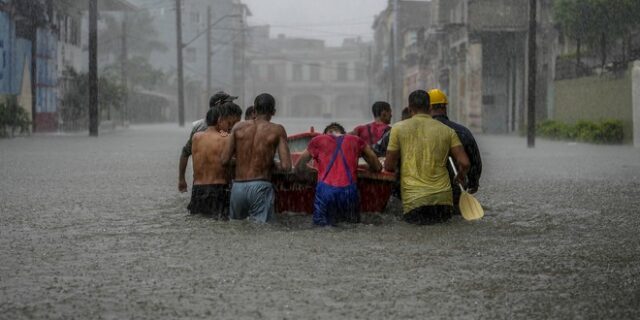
x: 438, y: 111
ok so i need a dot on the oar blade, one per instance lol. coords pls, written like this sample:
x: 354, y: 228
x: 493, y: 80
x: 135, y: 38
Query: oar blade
x: 470, y: 208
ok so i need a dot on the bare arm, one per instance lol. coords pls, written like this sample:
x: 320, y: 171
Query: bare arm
x: 371, y: 159
x: 283, y: 152
x: 182, y: 169
x: 228, y: 152
x: 391, y: 161
x: 301, y: 166
x: 462, y: 161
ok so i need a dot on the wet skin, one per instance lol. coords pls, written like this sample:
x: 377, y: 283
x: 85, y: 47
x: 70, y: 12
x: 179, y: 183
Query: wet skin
x: 254, y: 144
x: 207, y: 147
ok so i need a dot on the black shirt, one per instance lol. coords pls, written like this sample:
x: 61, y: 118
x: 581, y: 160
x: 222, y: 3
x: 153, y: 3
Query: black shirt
x: 470, y: 147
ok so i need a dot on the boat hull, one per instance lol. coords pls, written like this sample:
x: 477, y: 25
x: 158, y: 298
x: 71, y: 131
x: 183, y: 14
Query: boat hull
x: 296, y: 195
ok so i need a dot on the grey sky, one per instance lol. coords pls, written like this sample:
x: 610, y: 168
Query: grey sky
x: 331, y: 20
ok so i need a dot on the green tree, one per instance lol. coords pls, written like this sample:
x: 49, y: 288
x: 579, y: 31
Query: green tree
x: 140, y: 33
x: 598, y: 23
x: 141, y: 74
x: 75, y: 99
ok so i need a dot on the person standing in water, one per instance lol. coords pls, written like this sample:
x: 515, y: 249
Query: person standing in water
x: 336, y: 155
x: 372, y: 132
x: 198, y: 126
x: 254, y: 144
x: 438, y: 111
x: 210, y: 192
x: 422, y: 145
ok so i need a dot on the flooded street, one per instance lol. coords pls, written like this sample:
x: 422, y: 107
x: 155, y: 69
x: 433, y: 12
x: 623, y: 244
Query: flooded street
x: 95, y: 228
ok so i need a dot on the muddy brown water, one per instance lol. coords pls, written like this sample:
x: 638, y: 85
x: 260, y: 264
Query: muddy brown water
x: 94, y: 228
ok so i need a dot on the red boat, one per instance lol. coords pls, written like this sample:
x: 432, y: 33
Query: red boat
x: 294, y: 195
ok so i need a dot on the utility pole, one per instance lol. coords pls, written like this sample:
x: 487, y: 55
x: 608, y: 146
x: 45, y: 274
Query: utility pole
x: 209, y: 53
x: 533, y: 65
x: 93, y: 68
x: 394, y: 60
x: 123, y: 72
x: 180, y: 67
x: 243, y: 48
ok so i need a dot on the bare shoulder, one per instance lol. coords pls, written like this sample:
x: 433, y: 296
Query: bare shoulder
x: 278, y: 128
x: 241, y: 126
x: 198, y: 135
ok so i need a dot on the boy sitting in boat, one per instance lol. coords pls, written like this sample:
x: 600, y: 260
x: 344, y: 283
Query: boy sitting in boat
x: 210, y: 193
x: 336, y: 156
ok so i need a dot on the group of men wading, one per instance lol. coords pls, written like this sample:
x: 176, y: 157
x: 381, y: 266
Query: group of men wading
x: 416, y: 148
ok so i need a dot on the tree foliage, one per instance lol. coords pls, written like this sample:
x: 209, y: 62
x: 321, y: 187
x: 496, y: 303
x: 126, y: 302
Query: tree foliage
x: 75, y: 100
x: 597, y: 23
x: 140, y: 73
x: 141, y: 35
x: 13, y: 117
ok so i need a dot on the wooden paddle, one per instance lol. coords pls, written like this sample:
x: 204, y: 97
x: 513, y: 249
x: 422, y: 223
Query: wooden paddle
x: 469, y: 205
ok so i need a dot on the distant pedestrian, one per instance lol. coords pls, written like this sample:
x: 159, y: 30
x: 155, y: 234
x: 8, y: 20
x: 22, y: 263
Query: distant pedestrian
x: 254, y: 145
x: 438, y: 111
x: 372, y: 132
x: 210, y: 192
x: 422, y: 145
x: 198, y: 126
x: 336, y: 156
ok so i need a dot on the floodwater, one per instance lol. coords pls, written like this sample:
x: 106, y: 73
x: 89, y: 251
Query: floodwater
x: 94, y: 228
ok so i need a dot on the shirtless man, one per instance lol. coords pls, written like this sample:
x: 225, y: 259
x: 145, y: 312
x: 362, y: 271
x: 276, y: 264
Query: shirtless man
x: 210, y: 192
x: 254, y: 144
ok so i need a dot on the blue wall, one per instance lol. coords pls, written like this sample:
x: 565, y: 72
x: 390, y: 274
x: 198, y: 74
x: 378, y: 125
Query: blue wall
x: 14, y: 54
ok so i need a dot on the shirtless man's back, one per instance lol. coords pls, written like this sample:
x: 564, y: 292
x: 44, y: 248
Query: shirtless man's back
x: 210, y: 194
x: 254, y: 144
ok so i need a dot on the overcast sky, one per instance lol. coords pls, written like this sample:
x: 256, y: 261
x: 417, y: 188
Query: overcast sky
x: 330, y: 20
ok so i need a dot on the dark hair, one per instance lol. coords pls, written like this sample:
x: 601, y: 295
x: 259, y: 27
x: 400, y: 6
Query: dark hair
x: 230, y: 109
x: 406, y: 113
x: 334, y: 125
x: 380, y: 106
x: 439, y: 106
x: 265, y: 104
x: 419, y: 100
x: 212, y: 116
x: 249, y: 112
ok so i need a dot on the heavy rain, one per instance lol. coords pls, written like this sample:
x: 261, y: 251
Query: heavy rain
x: 134, y: 184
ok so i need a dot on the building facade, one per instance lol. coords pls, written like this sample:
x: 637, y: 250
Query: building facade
x: 476, y: 51
x: 228, y: 20
x: 36, y: 51
x: 388, y: 66
x: 308, y: 78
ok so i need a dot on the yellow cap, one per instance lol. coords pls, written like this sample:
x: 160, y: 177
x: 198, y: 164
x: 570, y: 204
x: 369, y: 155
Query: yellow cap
x: 436, y: 96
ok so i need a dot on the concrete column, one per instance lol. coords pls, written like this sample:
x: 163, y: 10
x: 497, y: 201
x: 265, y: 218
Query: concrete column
x: 473, y: 114
x: 635, y: 101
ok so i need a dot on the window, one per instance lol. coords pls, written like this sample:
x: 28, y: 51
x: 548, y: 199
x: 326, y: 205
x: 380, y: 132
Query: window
x: 411, y: 38
x: 271, y: 72
x: 360, y: 72
x: 314, y: 72
x: 297, y: 72
x: 343, y: 72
